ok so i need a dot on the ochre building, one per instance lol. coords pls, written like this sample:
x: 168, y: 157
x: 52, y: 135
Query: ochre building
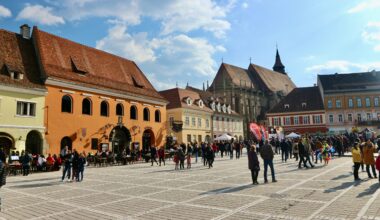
x: 96, y: 100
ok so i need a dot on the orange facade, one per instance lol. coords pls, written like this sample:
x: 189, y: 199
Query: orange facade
x: 92, y: 132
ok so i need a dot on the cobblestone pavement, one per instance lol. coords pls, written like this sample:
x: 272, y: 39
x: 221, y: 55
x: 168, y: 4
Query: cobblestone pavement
x: 140, y: 191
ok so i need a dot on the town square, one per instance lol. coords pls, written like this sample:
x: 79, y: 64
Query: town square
x: 201, y: 109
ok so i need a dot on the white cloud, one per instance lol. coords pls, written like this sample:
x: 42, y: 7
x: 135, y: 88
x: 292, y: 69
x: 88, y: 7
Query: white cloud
x: 244, y: 5
x: 364, y: 5
x: 135, y: 47
x: 371, y: 34
x: 344, y: 66
x: 174, y: 15
x: 5, y: 12
x: 40, y: 14
x: 160, y: 84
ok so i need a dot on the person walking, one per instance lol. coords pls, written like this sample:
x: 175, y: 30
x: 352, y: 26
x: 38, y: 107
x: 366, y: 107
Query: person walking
x: 81, y: 164
x: 210, y: 155
x: 161, y: 155
x: 357, y: 159
x: 378, y: 164
x: 308, y: 151
x: 267, y: 154
x: 295, y: 149
x: 181, y: 157
x: 284, y: 150
x: 153, y: 154
x: 253, y: 164
x: 74, y: 164
x: 368, y: 158
x: 67, y: 166
x: 237, y: 149
x: 26, y: 159
x: 301, y: 153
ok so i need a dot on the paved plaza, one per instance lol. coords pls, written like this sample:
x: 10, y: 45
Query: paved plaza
x: 140, y: 191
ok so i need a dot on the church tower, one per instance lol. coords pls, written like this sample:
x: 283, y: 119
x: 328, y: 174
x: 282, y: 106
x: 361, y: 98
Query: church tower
x: 278, y: 66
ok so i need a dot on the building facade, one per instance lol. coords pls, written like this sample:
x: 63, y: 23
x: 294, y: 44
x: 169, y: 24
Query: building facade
x: 189, y: 118
x: 96, y: 100
x: 224, y: 119
x: 253, y: 91
x: 22, y: 96
x: 351, y: 101
x: 301, y: 111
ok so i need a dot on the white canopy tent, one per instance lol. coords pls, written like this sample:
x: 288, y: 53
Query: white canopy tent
x: 293, y: 135
x: 223, y: 137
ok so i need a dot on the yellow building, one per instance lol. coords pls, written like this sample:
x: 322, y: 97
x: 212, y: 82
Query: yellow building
x: 189, y: 119
x: 22, y: 96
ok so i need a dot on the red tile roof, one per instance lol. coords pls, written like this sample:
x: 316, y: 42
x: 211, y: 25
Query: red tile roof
x: 70, y: 61
x: 17, y: 55
x: 177, y: 99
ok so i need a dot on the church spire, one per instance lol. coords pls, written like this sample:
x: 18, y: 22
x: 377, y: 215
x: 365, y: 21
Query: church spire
x: 278, y: 66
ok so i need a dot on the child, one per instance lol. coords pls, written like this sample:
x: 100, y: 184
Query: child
x: 326, y: 155
x: 188, y: 159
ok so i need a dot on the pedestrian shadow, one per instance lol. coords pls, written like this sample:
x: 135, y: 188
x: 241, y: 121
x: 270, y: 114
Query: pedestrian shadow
x: 342, y: 176
x: 370, y: 191
x: 227, y: 189
x: 344, y: 185
x: 25, y: 186
x: 33, y: 180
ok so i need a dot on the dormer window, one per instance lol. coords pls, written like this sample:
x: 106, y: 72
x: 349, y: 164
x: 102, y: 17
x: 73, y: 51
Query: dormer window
x: 78, y: 65
x: 303, y: 104
x: 286, y: 106
x: 213, y: 106
x: 13, y: 73
x: 189, y: 101
x: 200, y: 103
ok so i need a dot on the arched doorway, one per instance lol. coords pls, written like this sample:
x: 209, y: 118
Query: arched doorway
x: 33, y: 142
x: 66, y: 141
x: 147, y: 139
x: 6, y: 143
x: 120, y: 137
x: 208, y: 139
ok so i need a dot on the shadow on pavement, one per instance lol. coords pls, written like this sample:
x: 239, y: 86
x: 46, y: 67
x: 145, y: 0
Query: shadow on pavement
x: 370, y: 191
x: 344, y: 185
x: 342, y: 176
x: 227, y: 189
x: 34, y: 185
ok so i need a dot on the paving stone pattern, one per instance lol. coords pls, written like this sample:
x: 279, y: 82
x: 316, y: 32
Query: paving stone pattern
x: 140, y: 191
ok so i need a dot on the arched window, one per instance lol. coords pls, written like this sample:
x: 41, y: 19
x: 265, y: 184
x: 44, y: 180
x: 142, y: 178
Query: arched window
x: 157, y: 116
x: 146, y: 114
x: 104, y: 108
x: 133, y: 112
x: 67, y: 104
x: 119, y: 109
x: 86, y: 107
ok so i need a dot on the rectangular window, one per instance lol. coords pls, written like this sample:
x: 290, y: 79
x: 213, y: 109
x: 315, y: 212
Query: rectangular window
x: 329, y: 104
x: 207, y: 123
x: 193, y: 122
x: 287, y: 121
x: 340, y: 118
x: 187, y: 121
x: 350, y: 103
x: 338, y: 103
x: 369, y: 116
x: 296, y: 122
x: 359, y: 117
x: 199, y: 138
x: 275, y: 121
x: 317, y: 119
x: 349, y: 117
x: 26, y: 108
x: 171, y: 120
x: 189, y: 138
x: 359, y: 102
x: 331, y: 119
x: 306, y: 120
x: 367, y: 102
x: 376, y: 101
x: 199, y: 122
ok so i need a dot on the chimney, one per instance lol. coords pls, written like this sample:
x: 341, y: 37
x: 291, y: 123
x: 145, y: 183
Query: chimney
x: 25, y: 31
x: 203, y: 86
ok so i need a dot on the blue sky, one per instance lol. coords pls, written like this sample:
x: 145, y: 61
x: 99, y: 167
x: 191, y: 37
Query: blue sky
x: 185, y: 40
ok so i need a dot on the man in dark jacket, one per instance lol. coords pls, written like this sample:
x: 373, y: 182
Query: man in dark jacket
x: 210, y: 155
x: 266, y: 152
x: 153, y: 154
x: 253, y: 164
x: 284, y: 150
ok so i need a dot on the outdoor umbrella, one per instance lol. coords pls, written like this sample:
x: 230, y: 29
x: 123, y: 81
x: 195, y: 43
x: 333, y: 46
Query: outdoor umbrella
x: 293, y: 135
